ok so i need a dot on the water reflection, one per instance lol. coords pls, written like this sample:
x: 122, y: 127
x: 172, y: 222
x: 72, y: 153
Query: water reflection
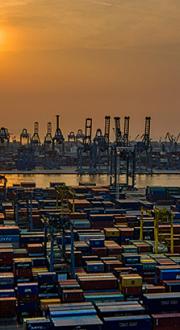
x: 43, y: 180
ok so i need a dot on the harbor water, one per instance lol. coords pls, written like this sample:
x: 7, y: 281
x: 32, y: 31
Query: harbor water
x: 43, y: 180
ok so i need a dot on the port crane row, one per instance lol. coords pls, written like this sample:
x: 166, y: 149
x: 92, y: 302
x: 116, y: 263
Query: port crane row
x: 103, y: 153
x: 120, y: 136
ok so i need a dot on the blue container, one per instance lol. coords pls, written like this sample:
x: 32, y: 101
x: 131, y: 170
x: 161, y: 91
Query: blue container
x: 162, y: 302
x: 115, y: 211
x: 96, y: 204
x: 28, y: 307
x: 48, y: 295
x: 40, y: 261
x: 8, y: 231
x: 96, y: 267
x: 136, y: 267
x: 69, y: 313
x: 176, y: 215
x: 139, y: 322
x: 104, y: 297
x: 94, y: 211
x: 38, y: 324
x: 27, y: 289
x: 129, y: 258
x: 28, y: 239
x: 7, y: 293
x: 9, y: 238
x: 169, y: 274
x: 48, y: 288
x: 49, y: 277
x: 119, y: 309
x: 173, y: 286
x: 96, y: 242
x: 89, y: 322
x: 6, y: 282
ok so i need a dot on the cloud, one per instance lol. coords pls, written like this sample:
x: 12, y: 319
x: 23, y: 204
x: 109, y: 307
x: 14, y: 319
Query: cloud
x: 93, y: 24
x: 101, y: 3
x: 13, y: 3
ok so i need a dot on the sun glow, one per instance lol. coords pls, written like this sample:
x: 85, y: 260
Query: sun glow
x: 2, y: 39
x: 8, y: 39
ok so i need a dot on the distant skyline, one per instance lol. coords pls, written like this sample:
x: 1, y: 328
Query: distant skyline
x: 90, y: 58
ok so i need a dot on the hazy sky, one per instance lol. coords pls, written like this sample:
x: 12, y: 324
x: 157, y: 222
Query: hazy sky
x: 83, y: 58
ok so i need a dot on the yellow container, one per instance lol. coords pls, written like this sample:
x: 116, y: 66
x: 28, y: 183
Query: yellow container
x: 130, y: 280
x: 37, y: 270
x: 111, y: 232
x: 144, y: 261
x: 47, y: 302
x: 30, y: 319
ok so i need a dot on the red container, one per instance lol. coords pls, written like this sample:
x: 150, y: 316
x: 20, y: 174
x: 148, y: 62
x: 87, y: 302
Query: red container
x: 122, y: 270
x: 35, y: 248
x: 6, y: 257
x: 110, y: 265
x: 170, y: 321
x: 132, y: 291
x: 150, y: 288
x: 75, y: 295
x: 126, y: 232
x: 77, y: 255
x: 7, y: 307
x: 97, y: 282
x: 100, y: 252
x: 20, y: 253
x: 113, y: 251
x: 102, y: 224
x: 177, y: 249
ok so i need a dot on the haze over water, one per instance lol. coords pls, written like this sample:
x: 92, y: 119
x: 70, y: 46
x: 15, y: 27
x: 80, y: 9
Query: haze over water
x: 84, y: 58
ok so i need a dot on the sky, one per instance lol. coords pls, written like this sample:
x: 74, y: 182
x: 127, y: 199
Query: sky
x: 90, y: 58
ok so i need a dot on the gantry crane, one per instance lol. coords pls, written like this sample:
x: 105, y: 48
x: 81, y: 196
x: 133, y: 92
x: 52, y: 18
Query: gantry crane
x: 122, y: 152
x: 48, y: 140
x: 71, y: 137
x: 100, y: 146
x: 118, y: 134
x: 144, y: 148
x: 162, y: 216
x: 126, y: 131
x: 88, y: 133
x: 35, y: 139
x: 58, y: 138
x: 147, y: 132
x: 173, y: 141
x: 4, y: 135
x: 58, y: 223
x: 107, y: 129
x: 84, y: 148
x: 122, y: 139
x: 24, y: 137
x: 95, y: 151
x: 80, y: 136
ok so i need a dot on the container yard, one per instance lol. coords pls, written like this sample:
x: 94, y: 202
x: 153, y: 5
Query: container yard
x: 85, y: 257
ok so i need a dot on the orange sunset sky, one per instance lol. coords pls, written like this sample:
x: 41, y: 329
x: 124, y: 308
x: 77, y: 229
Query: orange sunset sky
x: 83, y: 58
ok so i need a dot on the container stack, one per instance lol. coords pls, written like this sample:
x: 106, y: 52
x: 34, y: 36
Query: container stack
x: 28, y: 299
x: 118, y: 281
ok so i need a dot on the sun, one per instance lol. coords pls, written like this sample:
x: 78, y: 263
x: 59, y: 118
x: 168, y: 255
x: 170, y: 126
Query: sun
x: 8, y: 39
